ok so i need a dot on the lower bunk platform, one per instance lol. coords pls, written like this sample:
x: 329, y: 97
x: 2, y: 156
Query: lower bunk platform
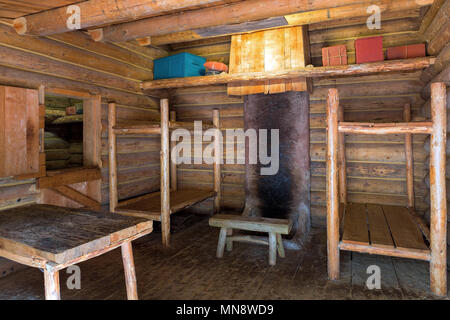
x: 149, y: 206
x: 384, y: 230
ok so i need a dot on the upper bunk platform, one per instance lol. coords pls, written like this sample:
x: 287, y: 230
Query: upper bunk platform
x: 149, y: 206
x: 383, y: 229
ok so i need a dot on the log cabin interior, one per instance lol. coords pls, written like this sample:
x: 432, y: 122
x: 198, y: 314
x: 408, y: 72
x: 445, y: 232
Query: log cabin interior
x: 349, y: 97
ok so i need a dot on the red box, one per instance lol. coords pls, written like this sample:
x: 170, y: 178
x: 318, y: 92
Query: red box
x: 369, y: 50
x: 334, y: 56
x: 405, y: 52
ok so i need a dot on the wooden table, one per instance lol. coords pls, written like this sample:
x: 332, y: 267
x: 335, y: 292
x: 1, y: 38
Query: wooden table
x: 53, y: 238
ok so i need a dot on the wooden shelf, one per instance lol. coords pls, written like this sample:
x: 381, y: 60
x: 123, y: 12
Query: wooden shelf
x: 385, y: 230
x: 308, y: 72
x: 149, y: 206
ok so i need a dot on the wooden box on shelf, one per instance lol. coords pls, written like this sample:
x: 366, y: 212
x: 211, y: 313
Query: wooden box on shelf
x: 334, y: 56
x: 369, y: 50
x: 406, y: 52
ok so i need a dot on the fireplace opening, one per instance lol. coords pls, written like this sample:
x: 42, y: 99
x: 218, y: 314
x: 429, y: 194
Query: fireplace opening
x: 286, y: 194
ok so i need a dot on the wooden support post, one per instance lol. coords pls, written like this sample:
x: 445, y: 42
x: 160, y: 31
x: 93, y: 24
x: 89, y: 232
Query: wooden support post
x: 280, y: 246
x: 438, y: 201
x: 342, y: 162
x: 221, y: 243
x: 173, y: 165
x: 113, y: 192
x: 217, y: 161
x: 78, y: 197
x: 272, y: 248
x: 51, y: 283
x: 130, y: 273
x: 332, y: 185
x: 409, y: 158
x: 165, y: 173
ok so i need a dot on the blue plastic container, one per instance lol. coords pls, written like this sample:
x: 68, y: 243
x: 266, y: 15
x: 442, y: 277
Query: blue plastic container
x: 180, y: 65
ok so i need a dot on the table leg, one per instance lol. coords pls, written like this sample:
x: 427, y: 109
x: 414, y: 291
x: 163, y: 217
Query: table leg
x: 221, y: 244
x: 229, y: 241
x: 130, y: 273
x: 272, y: 248
x: 51, y: 283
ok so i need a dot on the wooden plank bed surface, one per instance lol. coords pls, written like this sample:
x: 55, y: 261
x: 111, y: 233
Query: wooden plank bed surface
x: 405, y: 232
x: 380, y: 236
x: 60, y: 234
x: 382, y: 226
x: 149, y: 205
x: 355, y: 224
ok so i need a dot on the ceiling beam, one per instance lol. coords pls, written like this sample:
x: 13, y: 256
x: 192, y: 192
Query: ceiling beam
x: 320, y: 22
x: 95, y: 13
x: 295, y: 12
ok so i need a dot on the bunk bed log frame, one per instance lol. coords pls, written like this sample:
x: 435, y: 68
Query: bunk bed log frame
x: 158, y: 206
x: 400, y: 231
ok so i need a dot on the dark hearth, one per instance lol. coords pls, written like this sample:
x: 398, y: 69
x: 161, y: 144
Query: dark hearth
x: 287, y: 193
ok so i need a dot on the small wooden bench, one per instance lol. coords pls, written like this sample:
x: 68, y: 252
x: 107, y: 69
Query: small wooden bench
x: 274, y: 227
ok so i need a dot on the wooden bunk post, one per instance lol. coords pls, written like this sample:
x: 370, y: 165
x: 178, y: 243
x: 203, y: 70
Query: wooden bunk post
x: 438, y: 221
x: 165, y: 173
x: 112, y: 118
x: 342, y: 163
x: 217, y: 161
x: 129, y: 270
x: 173, y: 165
x: 409, y: 158
x: 332, y: 185
x: 51, y: 283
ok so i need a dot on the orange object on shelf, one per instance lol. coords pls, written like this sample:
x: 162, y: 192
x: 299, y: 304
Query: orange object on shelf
x: 216, y: 66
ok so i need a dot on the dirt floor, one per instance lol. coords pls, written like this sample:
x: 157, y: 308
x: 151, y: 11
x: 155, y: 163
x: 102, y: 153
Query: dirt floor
x: 190, y: 270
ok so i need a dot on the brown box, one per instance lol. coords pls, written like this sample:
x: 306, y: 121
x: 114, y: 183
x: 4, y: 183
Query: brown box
x: 334, y: 56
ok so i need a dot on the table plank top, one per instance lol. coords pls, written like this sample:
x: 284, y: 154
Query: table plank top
x: 59, y: 234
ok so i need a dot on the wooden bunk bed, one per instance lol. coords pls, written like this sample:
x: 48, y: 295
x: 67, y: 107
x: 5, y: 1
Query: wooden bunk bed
x: 389, y: 230
x: 160, y: 205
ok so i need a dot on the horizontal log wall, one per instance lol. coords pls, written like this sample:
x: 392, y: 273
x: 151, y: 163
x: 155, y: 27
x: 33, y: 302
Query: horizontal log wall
x: 435, y: 30
x: 376, y: 164
x: 137, y: 155
x: 394, y: 29
x: 73, y: 61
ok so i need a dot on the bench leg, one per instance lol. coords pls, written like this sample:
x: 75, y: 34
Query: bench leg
x: 130, y: 273
x: 51, y: 283
x: 280, y: 246
x: 229, y: 241
x: 221, y: 244
x: 272, y: 248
